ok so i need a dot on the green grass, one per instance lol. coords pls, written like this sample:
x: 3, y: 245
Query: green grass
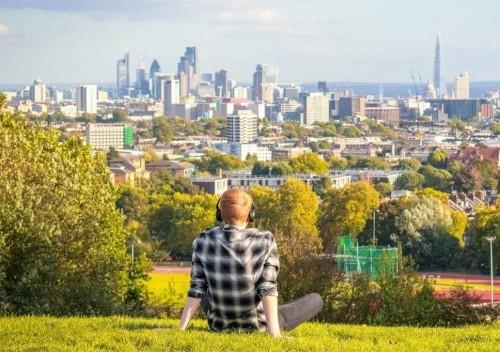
x: 134, y: 334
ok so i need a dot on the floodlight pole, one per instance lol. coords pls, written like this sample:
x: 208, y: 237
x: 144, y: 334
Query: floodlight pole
x: 374, y: 239
x: 490, y: 240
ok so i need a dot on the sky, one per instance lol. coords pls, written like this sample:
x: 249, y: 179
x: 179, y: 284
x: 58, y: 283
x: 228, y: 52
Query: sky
x: 79, y: 41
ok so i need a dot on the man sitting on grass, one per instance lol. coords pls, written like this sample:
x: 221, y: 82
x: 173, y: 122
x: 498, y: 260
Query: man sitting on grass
x: 234, y: 275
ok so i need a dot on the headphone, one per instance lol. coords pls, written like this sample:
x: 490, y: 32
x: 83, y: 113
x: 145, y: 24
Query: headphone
x: 218, y: 212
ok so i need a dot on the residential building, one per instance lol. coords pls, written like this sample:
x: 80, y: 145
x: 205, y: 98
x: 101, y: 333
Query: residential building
x: 86, y: 99
x: 175, y: 168
x: 241, y: 127
x: 171, y: 96
x: 109, y: 135
x: 38, y: 92
x: 389, y: 114
x: 316, y: 108
x: 212, y: 185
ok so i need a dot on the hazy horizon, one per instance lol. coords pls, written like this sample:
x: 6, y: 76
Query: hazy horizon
x: 335, y: 41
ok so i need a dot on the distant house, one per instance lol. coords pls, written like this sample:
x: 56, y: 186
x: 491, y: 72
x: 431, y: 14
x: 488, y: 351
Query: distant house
x: 176, y: 168
x: 468, y: 155
x: 128, y: 170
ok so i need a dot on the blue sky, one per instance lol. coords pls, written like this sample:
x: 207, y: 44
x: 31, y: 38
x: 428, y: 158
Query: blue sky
x: 79, y: 41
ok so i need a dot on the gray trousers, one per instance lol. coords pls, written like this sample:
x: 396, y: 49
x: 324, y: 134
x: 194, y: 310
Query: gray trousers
x: 290, y: 314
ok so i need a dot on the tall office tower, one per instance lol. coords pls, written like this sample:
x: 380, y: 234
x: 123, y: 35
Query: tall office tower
x: 316, y: 108
x: 241, y: 127
x: 38, y: 92
x: 171, y: 97
x: 322, y: 87
x: 437, y: 68
x: 183, y: 84
x: 141, y: 81
x: 240, y: 93
x: 122, y: 76
x: 264, y: 75
x: 86, y: 99
x: 462, y: 86
x: 221, y: 84
x: 352, y: 106
x: 153, y: 70
x: 188, y: 65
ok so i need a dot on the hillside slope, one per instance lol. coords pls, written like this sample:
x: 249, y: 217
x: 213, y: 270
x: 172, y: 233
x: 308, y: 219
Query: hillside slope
x: 131, y: 334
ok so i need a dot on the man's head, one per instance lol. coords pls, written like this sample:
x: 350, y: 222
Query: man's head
x: 235, y: 206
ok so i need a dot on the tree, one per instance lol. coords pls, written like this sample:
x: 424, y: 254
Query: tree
x: 495, y: 128
x: 309, y: 163
x: 261, y: 168
x: 112, y: 154
x: 436, y: 178
x: 133, y: 202
x: 456, y: 125
x: 410, y: 164
x: 290, y: 211
x: 338, y: 163
x: 178, y: 219
x: 476, y: 175
x: 162, y: 130
x: 384, y: 189
x: 62, y: 240
x: 345, y: 211
x: 486, y: 223
x: 410, y: 181
x: 438, y: 158
x: 371, y: 163
x: 119, y: 115
x: 214, y: 161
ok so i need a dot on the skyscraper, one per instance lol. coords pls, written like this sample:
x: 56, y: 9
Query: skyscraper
x: 322, y: 87
x: 221, y: 84
x: 122, y: 76
x: 154, y: 69
x: 264, y: 75
x: 462, y: 86
x: 437, y: 67
x: 141, y: 82
x: 86, y: 99
x: 188, y: 65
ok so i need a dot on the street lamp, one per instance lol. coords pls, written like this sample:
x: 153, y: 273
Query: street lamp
x: 374, y: 238
x: 490, y: 240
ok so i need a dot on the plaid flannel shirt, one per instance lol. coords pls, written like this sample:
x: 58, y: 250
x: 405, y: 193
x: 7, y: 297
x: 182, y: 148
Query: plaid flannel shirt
x: 235, y: 268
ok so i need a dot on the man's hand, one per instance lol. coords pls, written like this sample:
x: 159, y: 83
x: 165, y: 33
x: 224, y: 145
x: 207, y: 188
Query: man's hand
x: 190, y: 308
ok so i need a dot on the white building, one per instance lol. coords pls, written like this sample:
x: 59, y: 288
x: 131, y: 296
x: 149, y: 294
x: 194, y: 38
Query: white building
x: 462, y: 86
x: 240, y: 93
x: 86, y: 99
x: 241, y: 127
x: 106, y: 135
x: 38, y: 92
x: 316, y: 108
x: 171, y: 96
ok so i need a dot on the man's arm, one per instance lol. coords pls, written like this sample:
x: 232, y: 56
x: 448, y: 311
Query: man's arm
x: 190, y: 308
x: 270, y: 304
x: 197, y: 289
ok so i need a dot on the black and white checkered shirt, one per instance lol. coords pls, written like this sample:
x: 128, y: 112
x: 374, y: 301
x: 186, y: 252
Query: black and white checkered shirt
x: 236, y: 268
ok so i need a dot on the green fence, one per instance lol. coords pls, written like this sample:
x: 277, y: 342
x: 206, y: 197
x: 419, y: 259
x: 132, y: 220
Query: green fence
x: 352, y: 258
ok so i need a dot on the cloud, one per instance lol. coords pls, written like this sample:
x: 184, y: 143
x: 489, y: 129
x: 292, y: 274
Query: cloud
x: 262, y: 16
x: 4, y: 29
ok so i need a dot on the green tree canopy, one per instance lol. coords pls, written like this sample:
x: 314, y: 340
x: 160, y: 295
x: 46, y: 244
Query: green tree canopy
x: 162, y: 130
x: 214, y: 161
x: 345, y: 211
x: 438, y: 158
x: 410, y: 181
x: 62, y: 240
x: 409, y: 164
x: 439, y: 179
x: 309, y: 163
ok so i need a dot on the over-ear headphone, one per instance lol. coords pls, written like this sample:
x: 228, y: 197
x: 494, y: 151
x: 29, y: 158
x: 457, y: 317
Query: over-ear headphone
x: 218, y: 212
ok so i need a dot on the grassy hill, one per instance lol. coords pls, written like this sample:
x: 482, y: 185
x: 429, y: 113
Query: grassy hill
x: 131, y: 334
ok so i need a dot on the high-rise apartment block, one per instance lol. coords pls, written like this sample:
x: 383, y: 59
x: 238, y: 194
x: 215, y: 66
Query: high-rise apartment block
x: 172, y: 96
x: 103, y: 136
x: 241, y: 127
x: 38, y: 92
x: 352, y: 106
x: 123, y: 76
x: 86, y: 99
x: 462, y: 86
x: 316, y: 108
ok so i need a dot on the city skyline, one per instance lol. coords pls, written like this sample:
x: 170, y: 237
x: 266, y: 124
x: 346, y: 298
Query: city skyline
x: 337, y: 41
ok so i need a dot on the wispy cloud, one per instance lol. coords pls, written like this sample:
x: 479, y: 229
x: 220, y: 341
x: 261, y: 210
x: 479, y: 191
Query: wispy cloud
x: 4, y: 29
x: 259, y: 16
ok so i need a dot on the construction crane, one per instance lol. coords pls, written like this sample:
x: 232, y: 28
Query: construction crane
x: 415, y: 87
